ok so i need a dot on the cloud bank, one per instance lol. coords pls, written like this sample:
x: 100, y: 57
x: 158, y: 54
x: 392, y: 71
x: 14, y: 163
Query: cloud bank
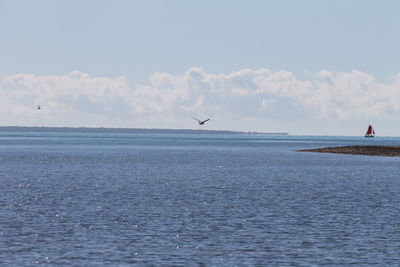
x: 258, y: 99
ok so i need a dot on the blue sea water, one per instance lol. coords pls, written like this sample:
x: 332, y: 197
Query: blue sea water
x: 152, y: 199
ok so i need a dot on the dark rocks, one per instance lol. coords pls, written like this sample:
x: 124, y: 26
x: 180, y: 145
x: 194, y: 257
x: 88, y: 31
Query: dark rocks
x: 385, y: 151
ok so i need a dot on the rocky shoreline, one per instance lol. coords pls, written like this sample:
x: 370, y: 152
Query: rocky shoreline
x: 384, y: 151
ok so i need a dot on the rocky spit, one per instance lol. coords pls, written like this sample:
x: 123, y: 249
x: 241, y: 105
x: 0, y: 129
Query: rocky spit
x: 384, y: 151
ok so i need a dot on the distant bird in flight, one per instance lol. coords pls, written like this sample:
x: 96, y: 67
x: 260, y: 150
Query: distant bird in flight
x: 38, y: 107
x: 200, y: 121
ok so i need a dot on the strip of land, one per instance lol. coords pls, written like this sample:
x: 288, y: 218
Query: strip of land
x: 384, y: 151
x: 123, y: 130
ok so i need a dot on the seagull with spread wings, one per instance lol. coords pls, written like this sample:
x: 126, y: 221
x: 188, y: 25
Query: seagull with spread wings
x: 200, y: 121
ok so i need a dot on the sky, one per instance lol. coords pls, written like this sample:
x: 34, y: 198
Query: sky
x: 311, y: 67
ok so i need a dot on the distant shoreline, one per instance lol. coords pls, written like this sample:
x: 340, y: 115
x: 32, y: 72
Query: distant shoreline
x: 122, y: 130
x: 383, y: 151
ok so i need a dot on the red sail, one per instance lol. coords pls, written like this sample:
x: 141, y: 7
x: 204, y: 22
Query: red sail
x: 369, y: 131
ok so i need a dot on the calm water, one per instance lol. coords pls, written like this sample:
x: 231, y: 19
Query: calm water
x: 79, y: 199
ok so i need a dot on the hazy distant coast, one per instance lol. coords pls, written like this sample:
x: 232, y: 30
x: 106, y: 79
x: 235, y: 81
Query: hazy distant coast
x: 122, y: 130
x: 385, y: 151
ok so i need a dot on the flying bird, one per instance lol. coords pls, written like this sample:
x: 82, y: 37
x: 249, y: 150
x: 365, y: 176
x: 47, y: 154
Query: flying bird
x: 38, y: 107
x: 200, y: 121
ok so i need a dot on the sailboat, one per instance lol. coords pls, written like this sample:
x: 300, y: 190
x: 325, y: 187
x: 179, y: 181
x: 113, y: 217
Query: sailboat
x: 370, y: 132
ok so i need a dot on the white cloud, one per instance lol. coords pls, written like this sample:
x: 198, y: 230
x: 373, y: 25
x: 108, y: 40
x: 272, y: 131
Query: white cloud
x: 78, y: 99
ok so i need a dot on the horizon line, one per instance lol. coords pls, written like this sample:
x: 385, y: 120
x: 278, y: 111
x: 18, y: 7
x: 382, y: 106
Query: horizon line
x: 116, y: 129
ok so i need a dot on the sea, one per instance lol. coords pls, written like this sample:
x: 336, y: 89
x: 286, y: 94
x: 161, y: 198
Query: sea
x: 170, y: 198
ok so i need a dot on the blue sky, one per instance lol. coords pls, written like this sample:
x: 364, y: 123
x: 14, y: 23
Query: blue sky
x: 162, y: 62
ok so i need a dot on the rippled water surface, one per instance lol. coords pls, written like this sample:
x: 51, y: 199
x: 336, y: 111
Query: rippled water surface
x: 78, y: 199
